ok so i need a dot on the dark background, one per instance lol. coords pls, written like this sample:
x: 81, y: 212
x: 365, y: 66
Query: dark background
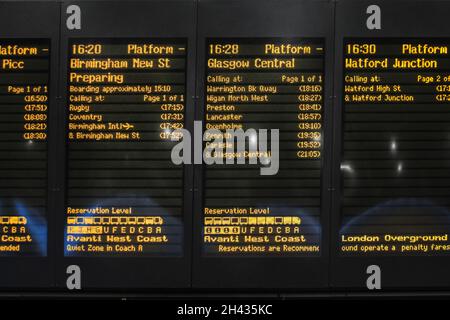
x: 196, y: 21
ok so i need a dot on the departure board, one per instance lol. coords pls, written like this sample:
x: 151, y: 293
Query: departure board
x: 396, y: 147
x: 24, y: 79
x: 262, y: 83
x: 124, y: 194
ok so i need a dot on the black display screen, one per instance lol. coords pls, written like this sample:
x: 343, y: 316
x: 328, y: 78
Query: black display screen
x: 125, y: 98
x: 24, y: 97
x: 396, y: 142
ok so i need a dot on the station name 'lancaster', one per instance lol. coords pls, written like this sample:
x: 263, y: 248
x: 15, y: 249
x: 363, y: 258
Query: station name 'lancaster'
x: 396, y: 63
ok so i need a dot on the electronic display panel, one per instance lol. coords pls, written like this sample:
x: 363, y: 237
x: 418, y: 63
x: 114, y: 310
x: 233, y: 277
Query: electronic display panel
x: 24, y: 103
x: 270, y: 84
x: 262, y: 65
x: 28, y: 66
x: 128, y: 74
x: 391, y: 184
x: 125, y: 196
